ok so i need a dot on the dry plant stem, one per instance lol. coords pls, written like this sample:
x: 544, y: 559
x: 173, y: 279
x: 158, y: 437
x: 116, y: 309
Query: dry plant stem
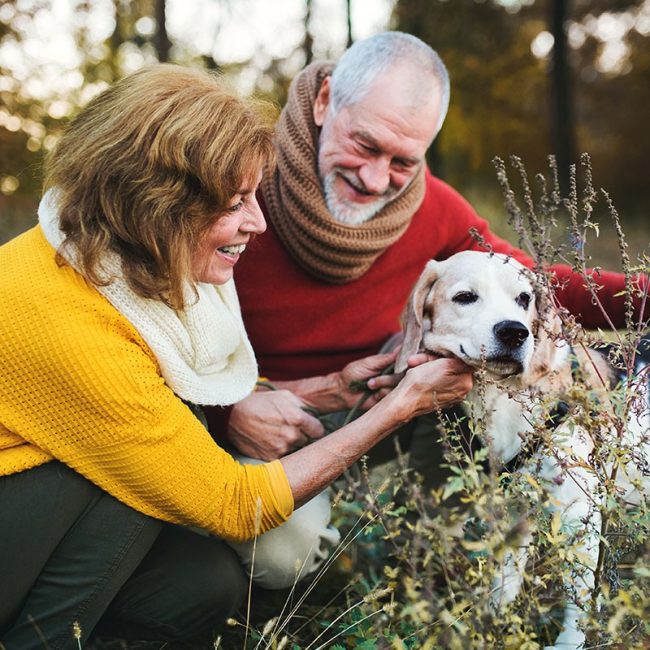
x: 625, y: 259
x: 534, y: 235
x: 327, y: 644
x: 629, y: 322
x: 37, y: 629
x: 258, y: 519
x: 329, y: 603
x: 337, y: 618
x: 341, y: 547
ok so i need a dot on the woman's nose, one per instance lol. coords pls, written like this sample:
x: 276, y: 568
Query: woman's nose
x: 255, y: 221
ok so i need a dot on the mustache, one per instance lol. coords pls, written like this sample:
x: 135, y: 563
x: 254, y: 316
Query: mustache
x: 389, y: 193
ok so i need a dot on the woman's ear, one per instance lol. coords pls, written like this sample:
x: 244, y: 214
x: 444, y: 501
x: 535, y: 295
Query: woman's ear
x: 412, y: 318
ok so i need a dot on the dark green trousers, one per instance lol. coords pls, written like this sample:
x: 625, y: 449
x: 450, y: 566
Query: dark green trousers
x: 70, y: 553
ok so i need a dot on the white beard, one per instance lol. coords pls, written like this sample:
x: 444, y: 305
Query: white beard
x: 347, y: 212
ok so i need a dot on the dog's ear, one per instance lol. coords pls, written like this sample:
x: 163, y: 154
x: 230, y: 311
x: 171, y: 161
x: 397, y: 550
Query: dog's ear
x: 412, y: 318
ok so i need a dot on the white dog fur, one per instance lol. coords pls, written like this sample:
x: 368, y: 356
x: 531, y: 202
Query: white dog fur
x: 481, y: 308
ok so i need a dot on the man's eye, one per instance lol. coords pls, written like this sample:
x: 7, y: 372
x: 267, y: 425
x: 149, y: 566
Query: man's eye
x: 403, y: 164
x: 368, y: 148
x: 523, y: 300
x: 465, y: 297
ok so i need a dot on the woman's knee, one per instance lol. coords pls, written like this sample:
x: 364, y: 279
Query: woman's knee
x: 220, y: 584
x: 187, y: 586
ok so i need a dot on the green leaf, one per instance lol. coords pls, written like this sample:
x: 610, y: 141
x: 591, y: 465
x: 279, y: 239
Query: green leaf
x: 368, y: 644
x: 452, y: 486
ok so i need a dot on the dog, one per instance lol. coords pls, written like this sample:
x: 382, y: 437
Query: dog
x: 488, y: 310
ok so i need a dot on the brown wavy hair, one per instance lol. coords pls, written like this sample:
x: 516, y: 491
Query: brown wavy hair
x: 147, y: 166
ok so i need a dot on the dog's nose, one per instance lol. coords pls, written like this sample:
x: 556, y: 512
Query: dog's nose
x: 511, y: 333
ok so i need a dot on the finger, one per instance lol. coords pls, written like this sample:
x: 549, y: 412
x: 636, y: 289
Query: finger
x: 311, y: 426
x: 420, y: 358
x: 383, y: 381
x: 458, y: 367
x: 301, y: 441
x: 293, y: 438
x: 378, y: 362
x: 374, y: 398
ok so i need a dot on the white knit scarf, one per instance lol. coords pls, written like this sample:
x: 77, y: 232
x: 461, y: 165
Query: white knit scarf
x: 203, y: 352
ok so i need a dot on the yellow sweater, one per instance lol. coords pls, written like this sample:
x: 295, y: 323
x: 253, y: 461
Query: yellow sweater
x: 79, y: 384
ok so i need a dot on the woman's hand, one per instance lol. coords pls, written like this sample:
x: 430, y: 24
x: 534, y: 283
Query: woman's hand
x: 427, y: 385
x: 431, y: 383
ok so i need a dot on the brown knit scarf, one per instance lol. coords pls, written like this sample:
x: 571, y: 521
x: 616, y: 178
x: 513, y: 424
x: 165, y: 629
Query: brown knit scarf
x: 330, y: 250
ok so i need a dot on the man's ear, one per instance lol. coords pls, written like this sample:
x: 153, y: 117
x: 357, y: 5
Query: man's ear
x: 321, y: 102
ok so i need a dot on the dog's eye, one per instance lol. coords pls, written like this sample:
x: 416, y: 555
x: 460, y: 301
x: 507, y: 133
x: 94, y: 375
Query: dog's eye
x: 523, y: 300
x: 465, y: 297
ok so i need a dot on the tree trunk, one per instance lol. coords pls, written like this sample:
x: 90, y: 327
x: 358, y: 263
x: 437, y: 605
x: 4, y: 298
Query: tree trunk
x: 308, y: 42
x: 348, y: 6
x: 562, y: 104
x: 161, y: 40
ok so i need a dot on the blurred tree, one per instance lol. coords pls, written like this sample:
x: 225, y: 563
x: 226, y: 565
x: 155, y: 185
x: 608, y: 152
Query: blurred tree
x: 501, y: 99
x: 23, y: 122
x: 308, y: 43
x: 561, y: 91
x: 348, y: 22
x: 498, y: 86
x: 161, y: 39
x: 590, y: 60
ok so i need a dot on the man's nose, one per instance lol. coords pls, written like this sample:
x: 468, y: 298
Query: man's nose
x: 375, y: 175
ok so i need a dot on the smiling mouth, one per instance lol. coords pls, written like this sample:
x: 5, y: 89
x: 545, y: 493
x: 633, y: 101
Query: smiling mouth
x: 233, y: 250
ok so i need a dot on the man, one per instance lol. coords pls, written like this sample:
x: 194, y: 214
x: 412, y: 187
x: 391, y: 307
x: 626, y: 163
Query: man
x: 353, y: 215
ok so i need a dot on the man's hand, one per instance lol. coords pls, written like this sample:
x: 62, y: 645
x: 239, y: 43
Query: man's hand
x: 270, y: 424
x: 365, y: 374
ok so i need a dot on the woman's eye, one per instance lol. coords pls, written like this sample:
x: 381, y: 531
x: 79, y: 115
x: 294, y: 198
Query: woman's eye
x: 236, y: 207
x: 465, y: 297
x: 523, y: 300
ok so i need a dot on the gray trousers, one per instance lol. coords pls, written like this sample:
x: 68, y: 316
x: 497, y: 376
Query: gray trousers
x: 70, y: 553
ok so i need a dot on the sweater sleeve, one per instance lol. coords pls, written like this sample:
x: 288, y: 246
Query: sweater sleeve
x: 460, y: 221
x: 81, y: 385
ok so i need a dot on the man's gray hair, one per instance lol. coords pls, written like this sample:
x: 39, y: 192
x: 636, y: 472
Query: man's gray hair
x: 366, y: 60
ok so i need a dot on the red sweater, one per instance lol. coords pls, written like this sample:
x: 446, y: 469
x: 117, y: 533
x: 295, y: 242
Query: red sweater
x: 301, y: 326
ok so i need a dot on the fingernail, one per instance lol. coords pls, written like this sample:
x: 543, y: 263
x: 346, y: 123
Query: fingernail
x: 371, y: 383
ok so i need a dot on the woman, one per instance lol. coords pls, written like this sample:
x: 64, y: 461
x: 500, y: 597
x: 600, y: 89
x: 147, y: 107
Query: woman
x: 119, y: 315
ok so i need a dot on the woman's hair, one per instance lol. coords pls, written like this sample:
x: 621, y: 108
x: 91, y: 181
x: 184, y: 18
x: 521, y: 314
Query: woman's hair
x: 147, y: 166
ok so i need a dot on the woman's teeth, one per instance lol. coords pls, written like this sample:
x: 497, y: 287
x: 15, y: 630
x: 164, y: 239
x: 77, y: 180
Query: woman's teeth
x: 233, y: 250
